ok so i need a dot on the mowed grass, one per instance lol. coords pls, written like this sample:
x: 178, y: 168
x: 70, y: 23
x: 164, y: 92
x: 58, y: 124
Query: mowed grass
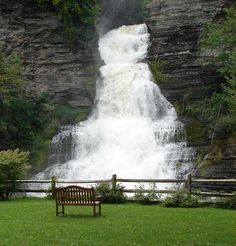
x: 33, y: 222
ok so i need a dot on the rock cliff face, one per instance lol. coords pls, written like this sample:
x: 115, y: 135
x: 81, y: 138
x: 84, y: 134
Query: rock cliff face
x: 51, y: 65
x: 175, y: 27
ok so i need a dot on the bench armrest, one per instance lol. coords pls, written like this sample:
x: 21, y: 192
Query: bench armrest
x: 97, y: 197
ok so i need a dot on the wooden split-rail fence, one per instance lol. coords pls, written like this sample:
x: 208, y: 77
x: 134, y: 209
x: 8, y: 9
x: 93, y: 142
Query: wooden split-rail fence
x: 186, y: 185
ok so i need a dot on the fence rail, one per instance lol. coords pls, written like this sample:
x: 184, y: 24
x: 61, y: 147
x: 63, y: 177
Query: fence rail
x: 188, y: 184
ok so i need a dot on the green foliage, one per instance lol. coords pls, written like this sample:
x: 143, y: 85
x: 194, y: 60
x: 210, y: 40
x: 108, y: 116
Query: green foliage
x: 218, y: 40
x: 76, y: 13
x: 195, y: 132
x: 110, y: 195
x: 207, y: 116
x: 207, y: 109
x: 65, y: 114
x: 143, y: 197
x: 204, y: 160
x: 11, y: 79
x: 179, y: 199
x: 30, y: 124
x: 157, y: 69
x: 142, y: 9
x: 26, y: 123
x: 226, y: 202
x: 230, y: 88
x: 15, y: 111
x: 13, y: 166
x: 218, y: 47
x: 182, y: 105
x: 137, y: 10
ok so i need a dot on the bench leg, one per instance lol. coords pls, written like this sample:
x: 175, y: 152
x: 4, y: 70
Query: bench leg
x: 99, y: 209
x: 62, y: 212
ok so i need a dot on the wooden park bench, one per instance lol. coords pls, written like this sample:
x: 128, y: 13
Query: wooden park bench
x: 76, y: 196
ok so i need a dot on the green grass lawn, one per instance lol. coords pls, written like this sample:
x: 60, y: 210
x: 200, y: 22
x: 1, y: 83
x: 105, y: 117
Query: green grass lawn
x: 33, y: 222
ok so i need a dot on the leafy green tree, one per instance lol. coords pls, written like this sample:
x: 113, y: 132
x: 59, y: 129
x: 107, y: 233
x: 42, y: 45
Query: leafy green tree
x: 13, y: 166
x: 75, y: 13
x: 28, y: 123
x: 218, y: 40
x: 229, y: 93
x: 218, y: 48
x: 11, y: 79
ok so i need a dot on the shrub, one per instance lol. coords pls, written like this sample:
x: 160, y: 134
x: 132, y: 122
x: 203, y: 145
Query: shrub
x: 217, y: 48
x: 110, y: 195
x: 179, y: 199
x: 140, y: 196
x: 136, y: 11
x: 11, y: 76
x: 13, y: 166
x: 75, y: 13
x: 156, y: 67
x: 146, y: 198
x: 226, y: 202
x: 29, y: 123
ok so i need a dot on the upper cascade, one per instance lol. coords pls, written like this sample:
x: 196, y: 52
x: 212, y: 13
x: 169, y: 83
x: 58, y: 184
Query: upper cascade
x: 127, y: 44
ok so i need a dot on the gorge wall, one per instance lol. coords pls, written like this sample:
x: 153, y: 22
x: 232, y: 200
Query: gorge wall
x: 54, y: 66
x: 175, y: 27
x: 51, y: 63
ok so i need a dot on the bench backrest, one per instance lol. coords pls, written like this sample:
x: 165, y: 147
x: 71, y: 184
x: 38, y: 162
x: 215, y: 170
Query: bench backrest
x: 74, y: 195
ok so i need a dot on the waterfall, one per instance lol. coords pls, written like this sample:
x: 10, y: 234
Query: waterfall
x: 133, y: 130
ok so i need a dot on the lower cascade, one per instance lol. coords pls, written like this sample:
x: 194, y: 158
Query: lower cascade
x: 133, y: 130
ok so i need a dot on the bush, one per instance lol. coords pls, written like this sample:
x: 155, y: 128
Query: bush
x: 11, y: 76
x: 227, y: 202
x: 29, y: 123
x: 146, y: 198
x: 217, y: 48
x: 156, y: 67
x: 75, y: 13
x: 13, y: 166
x: 110, y: 195
x: 179, y: 199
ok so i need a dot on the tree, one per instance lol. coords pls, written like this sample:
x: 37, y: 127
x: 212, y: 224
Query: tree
x: 13, y: 166
x: 11, y: 78
x: 76, y: 13
x: 218, y: 47
x: 218, y: 40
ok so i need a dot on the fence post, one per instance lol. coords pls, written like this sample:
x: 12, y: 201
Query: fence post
x: 53, y: 185
x: 189, y: 183
x: 113, y: 181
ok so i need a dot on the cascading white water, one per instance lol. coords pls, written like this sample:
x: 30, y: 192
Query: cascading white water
x: 133, y: 130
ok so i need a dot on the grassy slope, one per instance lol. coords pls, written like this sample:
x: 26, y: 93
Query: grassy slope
x: 33, y: 222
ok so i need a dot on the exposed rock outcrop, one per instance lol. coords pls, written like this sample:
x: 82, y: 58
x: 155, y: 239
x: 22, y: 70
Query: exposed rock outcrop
x: 51, y: 65
x: 175, y: 27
